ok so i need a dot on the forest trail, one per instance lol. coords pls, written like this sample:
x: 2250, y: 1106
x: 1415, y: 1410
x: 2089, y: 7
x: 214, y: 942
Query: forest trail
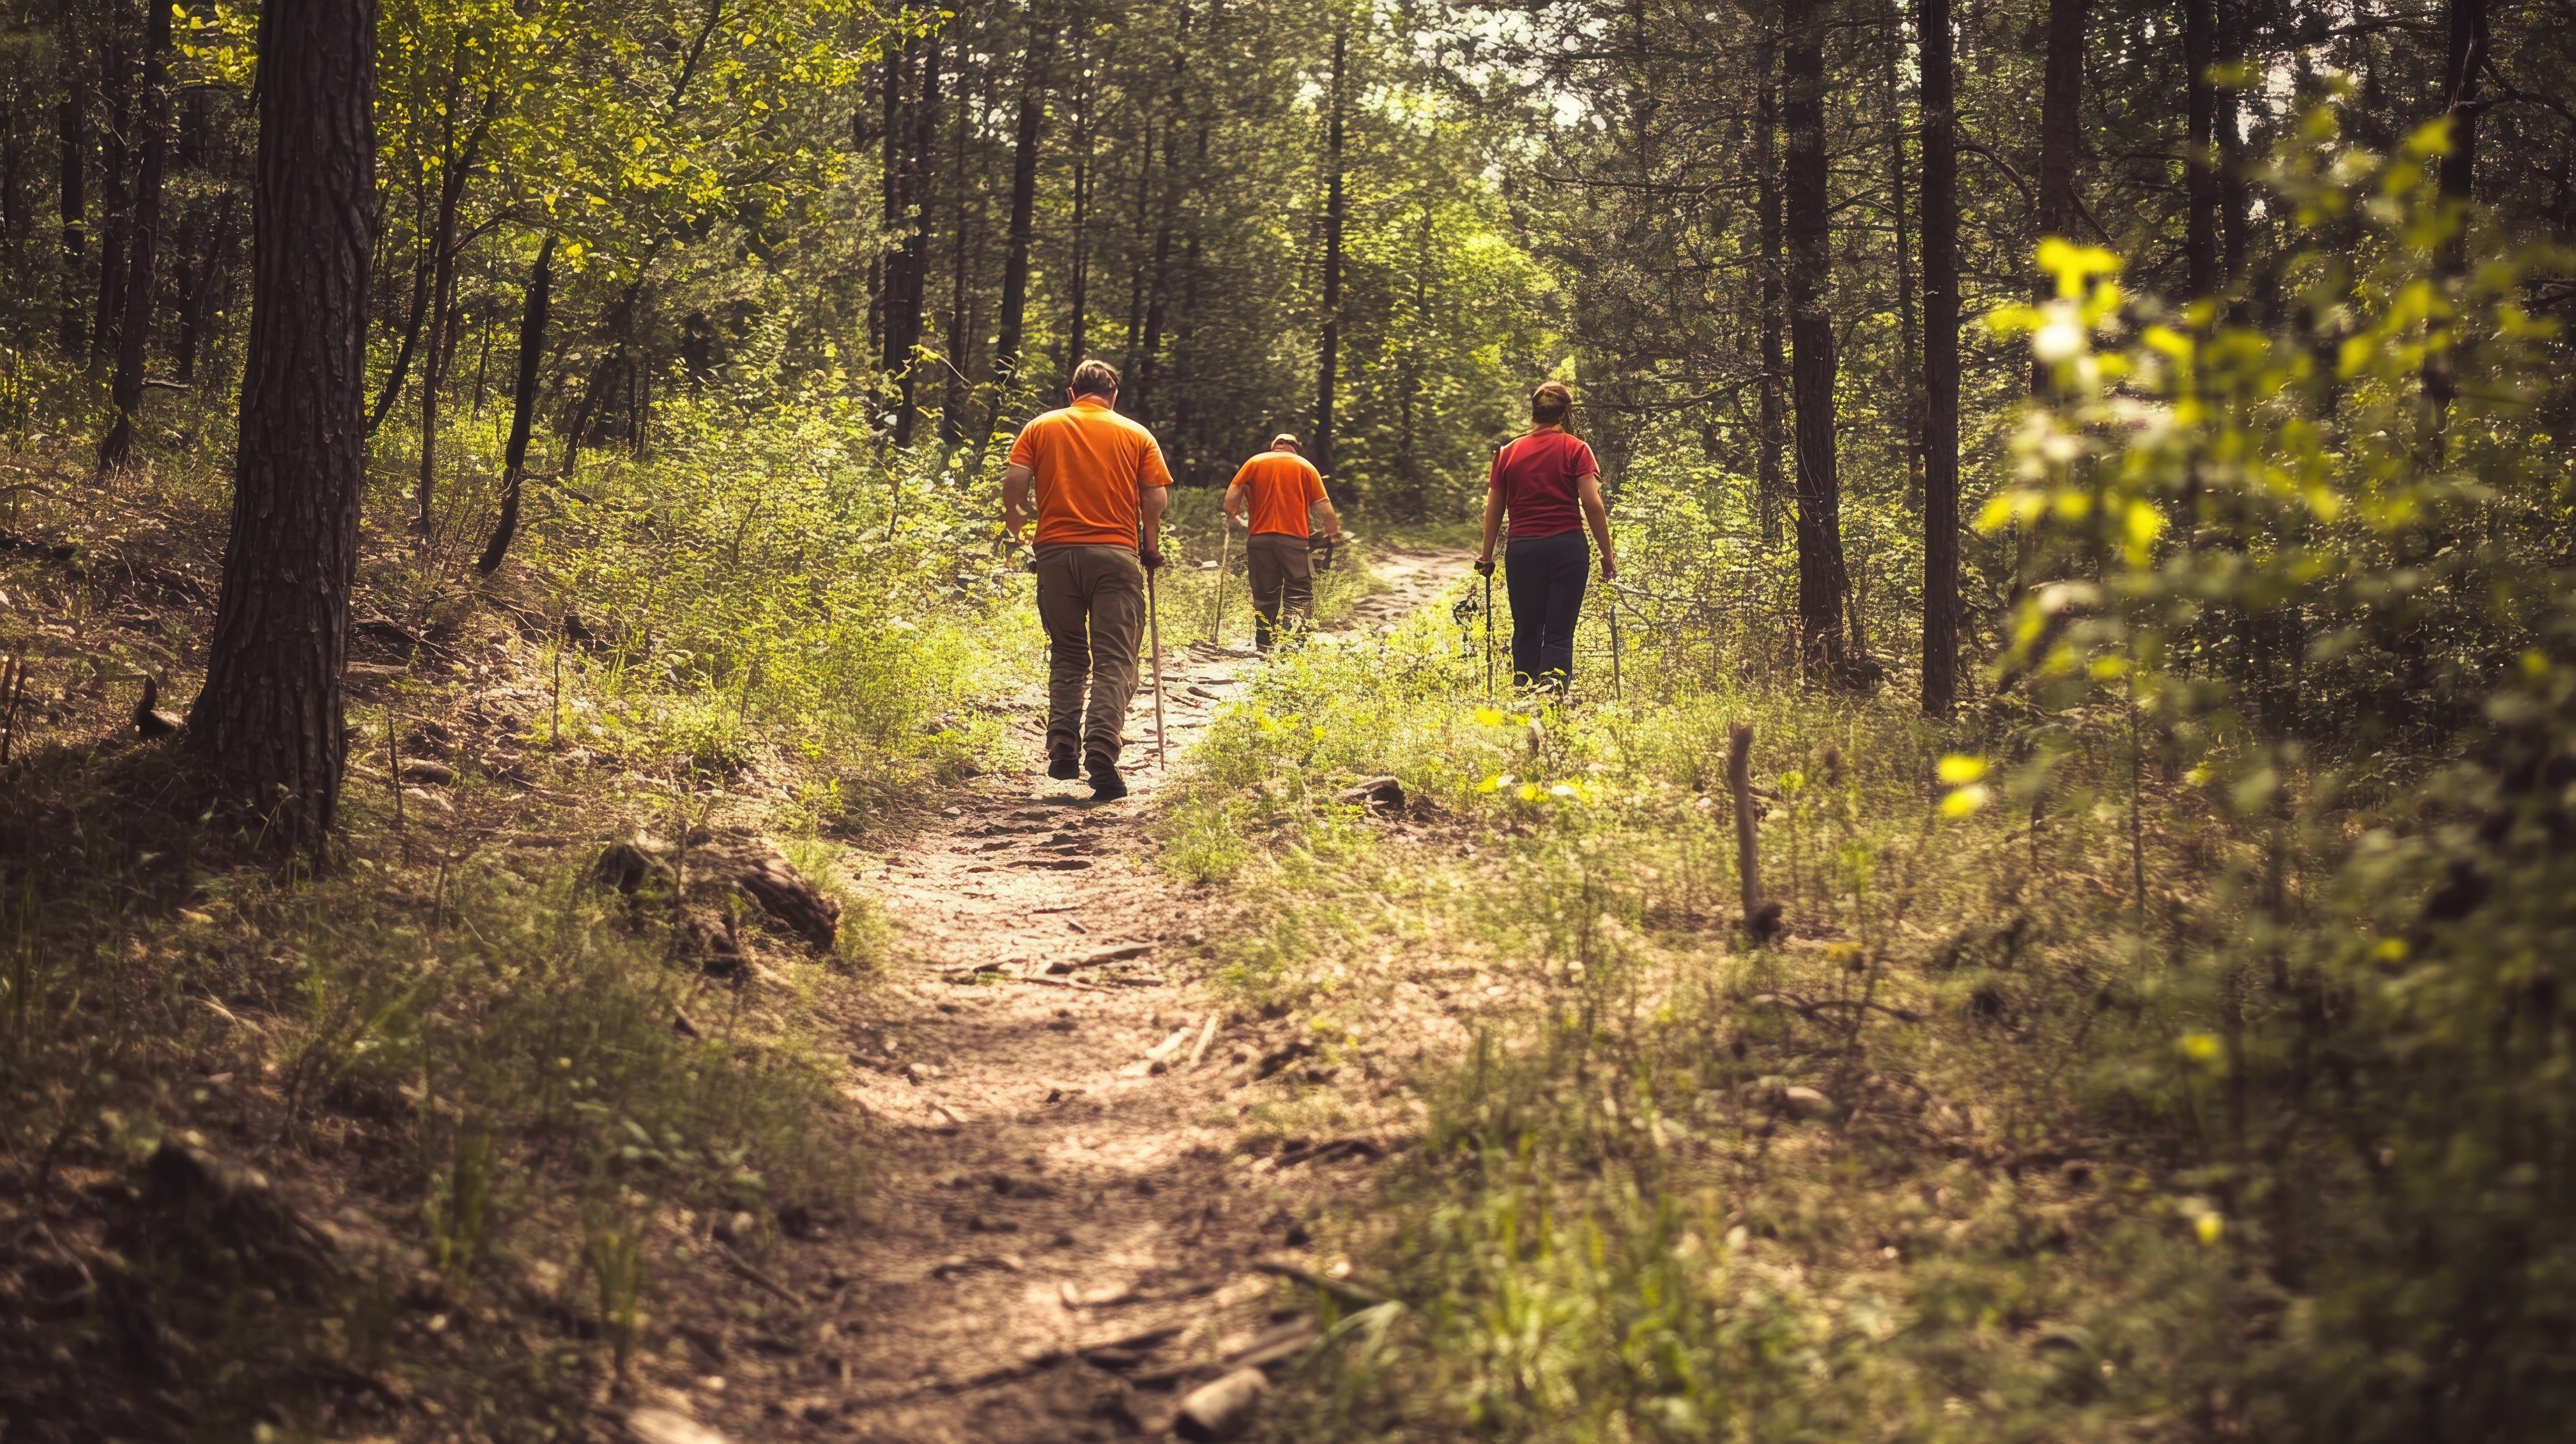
x: 1059, y: 1240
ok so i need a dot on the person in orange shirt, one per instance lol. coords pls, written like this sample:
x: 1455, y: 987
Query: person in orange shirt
x: 1101, y: 489
x: 1281, y: 489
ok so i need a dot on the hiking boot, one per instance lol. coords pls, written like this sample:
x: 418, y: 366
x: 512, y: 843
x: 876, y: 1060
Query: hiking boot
x: 1062, y: 767
x: 1106, y: 784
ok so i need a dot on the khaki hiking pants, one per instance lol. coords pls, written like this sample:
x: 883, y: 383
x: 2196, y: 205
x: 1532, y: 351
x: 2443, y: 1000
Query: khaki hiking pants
x: 1283, y: 585
x: 1091, y: 600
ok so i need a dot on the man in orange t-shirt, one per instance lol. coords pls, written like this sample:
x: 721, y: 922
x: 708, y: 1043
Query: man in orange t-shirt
x: 1280, y: 487
x: 1101, y: 489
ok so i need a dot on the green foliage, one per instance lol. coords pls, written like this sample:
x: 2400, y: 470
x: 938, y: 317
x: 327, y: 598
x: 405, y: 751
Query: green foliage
x: 2187, y: 1023
x: 774, y: 587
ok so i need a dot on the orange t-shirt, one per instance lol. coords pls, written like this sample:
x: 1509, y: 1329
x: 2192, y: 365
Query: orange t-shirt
x: 1283, y: 484
x: 1090, y: 462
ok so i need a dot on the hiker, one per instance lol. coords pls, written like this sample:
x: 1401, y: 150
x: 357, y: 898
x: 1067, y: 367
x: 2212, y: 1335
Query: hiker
x: 1547, y: 484
x: 1101, y: 489
x: 1282, y: 491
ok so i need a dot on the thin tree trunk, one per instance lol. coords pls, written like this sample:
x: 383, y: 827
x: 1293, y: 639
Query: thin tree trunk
x: 952, y: 410
x: 889, y: 288
x: 269, y: 716
x: 2200, y: 105
x: 420, y: 289
x: 201, y: 291
x: 1077, y: 324
x: 1940, y: 360
x: 1769, y: 486
x: 1329, y: 362
x: 2463, y: 62
x: 916, y: 243
x: 457, y: 166
x: 1804, y: 178
x: 70, y: 134
x: 523, y: 406
x: 134, y: 329
x: 1026, y: 134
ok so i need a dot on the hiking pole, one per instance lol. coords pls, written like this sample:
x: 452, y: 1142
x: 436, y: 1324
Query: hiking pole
x: 1224, y: 546
x: 1617, y: 694
x: 1154, y: 633
x: 1489, y: 636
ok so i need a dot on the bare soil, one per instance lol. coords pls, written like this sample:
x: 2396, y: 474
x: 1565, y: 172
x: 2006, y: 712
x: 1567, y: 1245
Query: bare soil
x: 1061, y: 1237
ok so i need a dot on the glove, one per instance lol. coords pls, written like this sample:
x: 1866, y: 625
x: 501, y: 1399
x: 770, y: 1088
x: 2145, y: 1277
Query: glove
x: 1484, y: 566
x: 1151, y: 556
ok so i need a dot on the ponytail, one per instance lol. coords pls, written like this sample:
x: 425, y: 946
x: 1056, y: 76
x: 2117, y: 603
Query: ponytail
x: 1552, y: 404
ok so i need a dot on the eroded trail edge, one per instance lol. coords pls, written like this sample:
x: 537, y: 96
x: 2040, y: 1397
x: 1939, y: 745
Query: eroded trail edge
x: 1061, y: 1241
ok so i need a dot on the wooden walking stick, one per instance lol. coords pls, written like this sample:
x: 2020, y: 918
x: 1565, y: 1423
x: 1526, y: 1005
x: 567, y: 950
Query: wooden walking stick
x: 1617, y: 693
x: 1224, y: 545
x: 1489, y: 636
x: 1154, y: 633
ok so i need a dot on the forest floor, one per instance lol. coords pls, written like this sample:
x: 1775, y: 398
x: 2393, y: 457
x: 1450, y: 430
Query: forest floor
x: 1060, y: 1237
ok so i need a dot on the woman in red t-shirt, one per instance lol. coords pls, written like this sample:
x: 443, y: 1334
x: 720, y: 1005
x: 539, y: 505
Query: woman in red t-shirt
x: 1547, y: 484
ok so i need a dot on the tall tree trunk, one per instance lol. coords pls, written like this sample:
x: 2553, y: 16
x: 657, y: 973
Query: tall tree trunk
x: 1026, y: 134
x: 1769, y: 487
x: 1329, y: 363
x: 1940, y: 360
x: 2200, y: 145
x: 1806, y: 218
x: 134, y: 328
x: 2462, y: 64
x: 269, y: 717
x: 523, y: 406
x: 2061, y: 126
x: 70, y: 134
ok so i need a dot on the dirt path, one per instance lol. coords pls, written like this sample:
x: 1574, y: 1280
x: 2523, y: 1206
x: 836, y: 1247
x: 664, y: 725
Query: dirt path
x: 1060, y: 1242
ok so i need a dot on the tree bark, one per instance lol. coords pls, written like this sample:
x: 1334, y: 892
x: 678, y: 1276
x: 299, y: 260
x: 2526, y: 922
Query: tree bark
x: 134, y: 327
x: 1026, y: 135
x: 1806, y: 221
x: 2061, y: 122
x: 523, y: 406
x: 1329, y: 362
x: 1940, y: 360
x: 269, y: 717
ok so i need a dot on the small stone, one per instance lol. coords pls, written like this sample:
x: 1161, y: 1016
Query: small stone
x: 1221, y: 1410
x: 1804, y: 1103
x: 664, y: 1426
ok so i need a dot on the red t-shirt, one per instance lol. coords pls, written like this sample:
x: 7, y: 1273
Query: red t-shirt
x: 1536, y: 476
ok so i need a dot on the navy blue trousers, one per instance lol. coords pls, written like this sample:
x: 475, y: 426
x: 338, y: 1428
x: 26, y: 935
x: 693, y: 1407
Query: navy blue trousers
x: 1544, y: 577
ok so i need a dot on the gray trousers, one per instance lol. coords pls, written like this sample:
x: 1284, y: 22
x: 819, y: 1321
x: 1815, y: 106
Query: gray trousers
x: 1091, y: 600
x: 1283, y: 585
